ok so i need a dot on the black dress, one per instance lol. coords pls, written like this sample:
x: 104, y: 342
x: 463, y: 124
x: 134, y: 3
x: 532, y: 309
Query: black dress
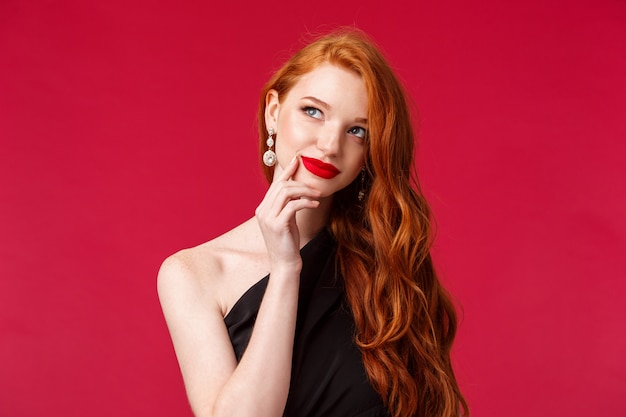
x: 328, y: 378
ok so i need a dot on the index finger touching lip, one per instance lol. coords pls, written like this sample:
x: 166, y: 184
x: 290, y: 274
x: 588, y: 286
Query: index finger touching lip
x: 291, y: 168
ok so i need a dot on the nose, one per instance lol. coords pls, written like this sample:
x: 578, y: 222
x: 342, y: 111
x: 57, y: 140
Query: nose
x: 329, y: 141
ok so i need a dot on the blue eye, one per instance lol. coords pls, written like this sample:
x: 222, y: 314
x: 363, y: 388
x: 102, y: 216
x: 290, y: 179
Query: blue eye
x: 358, y: 132
x: 312, y: 112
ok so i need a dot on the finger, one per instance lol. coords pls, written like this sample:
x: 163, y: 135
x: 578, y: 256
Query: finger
x: 293, y: 206
x: 289, y: 170
x: 280, y: 191
x: 290, y: 191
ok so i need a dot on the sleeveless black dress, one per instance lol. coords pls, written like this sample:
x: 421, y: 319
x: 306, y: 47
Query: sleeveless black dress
x: 327, y: 377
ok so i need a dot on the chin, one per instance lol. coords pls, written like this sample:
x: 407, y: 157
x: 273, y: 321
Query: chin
x: 320, y: 184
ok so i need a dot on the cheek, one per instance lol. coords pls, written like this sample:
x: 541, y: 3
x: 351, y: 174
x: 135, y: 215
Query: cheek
x: 353, y: 168
x: 288, y: 141
x: 358, y: 157
x: 290, y: 138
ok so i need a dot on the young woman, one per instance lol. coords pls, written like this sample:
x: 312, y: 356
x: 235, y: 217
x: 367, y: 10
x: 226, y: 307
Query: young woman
x: 326, y: 302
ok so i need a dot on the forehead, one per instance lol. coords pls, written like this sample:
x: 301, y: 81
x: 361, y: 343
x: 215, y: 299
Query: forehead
x: 337, y: 86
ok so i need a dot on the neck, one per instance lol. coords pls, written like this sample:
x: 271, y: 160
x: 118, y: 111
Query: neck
x: 311, y: 221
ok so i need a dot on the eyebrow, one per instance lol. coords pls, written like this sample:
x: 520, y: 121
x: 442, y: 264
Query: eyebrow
x: 318, y: 101
x: 322, y: 103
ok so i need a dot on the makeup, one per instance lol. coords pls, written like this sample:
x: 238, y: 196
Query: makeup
x: 319, y: 168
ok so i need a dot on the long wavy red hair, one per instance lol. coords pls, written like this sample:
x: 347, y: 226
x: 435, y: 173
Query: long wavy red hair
x: 405, y: 320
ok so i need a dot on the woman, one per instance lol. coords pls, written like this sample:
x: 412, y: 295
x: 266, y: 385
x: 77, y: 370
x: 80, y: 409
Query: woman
x: 350, y: 319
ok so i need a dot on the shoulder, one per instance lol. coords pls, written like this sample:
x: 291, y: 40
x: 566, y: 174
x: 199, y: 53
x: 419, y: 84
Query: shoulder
x: 186, y: 279
x: 192, y: 266
x: 214, y: 272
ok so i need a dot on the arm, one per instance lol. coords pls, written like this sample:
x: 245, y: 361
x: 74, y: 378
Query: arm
x: 257, y: 386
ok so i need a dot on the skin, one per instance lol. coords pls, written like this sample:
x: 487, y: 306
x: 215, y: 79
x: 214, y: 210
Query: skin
x: 323, y: 117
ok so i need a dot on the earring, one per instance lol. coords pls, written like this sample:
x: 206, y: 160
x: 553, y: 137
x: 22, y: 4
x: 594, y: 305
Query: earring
x: 361, y: 194
x: 269, y: 157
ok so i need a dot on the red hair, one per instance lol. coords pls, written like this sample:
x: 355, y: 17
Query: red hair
x: 405, y: 320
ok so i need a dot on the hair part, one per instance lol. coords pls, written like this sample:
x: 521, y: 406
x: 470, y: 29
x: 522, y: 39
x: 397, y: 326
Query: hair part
x: 405, y: 320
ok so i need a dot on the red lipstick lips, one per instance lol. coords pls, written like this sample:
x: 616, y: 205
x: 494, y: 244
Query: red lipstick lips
x: 319, y: 168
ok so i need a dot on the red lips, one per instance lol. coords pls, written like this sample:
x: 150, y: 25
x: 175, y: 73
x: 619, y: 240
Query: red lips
x: 319, y: 168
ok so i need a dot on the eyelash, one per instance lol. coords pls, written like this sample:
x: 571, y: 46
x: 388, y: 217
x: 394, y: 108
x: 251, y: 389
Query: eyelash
x: 308, y: 110
x: 363, y: 135
x: 311, y: 111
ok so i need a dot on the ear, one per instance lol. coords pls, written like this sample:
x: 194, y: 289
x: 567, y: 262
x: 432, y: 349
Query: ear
x: 272, y: 108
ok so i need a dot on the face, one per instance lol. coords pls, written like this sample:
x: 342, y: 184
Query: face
x: 323, y: 120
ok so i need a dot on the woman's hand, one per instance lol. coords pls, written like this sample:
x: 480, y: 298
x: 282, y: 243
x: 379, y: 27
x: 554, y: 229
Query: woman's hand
x: 276, y: 216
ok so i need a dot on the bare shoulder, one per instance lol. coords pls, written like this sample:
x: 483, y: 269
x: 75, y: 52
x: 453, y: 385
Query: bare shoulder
x: 197, y: 287
x: 217, y: 272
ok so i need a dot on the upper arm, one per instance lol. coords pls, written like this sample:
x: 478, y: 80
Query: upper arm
x: 203, y: 348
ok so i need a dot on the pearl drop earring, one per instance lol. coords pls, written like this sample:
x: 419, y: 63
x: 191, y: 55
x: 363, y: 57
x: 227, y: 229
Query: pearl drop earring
x: 269, y: 157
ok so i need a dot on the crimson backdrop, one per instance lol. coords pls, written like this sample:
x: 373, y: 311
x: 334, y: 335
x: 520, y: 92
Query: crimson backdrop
x: 127, y: 132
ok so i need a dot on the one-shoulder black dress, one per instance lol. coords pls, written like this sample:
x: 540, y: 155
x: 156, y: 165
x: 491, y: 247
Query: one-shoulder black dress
x: 328, y: 378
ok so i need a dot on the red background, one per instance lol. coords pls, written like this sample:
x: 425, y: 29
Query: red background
x: 127, y: 132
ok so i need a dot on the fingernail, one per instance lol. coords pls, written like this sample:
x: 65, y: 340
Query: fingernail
x: 294, y: 159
